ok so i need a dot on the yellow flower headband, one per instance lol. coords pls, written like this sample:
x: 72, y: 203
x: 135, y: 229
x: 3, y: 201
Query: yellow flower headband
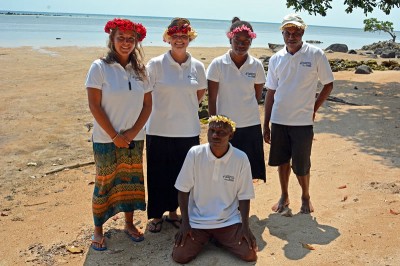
x: 223, y: 119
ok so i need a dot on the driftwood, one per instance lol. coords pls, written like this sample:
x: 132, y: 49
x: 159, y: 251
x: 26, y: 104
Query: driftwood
x: 69, y: 167
x: 338, y: 100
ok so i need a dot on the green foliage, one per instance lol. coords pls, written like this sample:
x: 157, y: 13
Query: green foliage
x: 321, y: 6
x: 372, y: 25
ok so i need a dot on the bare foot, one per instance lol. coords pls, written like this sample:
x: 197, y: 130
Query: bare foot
x: 281, y: 204
x: 132, y: 231
x: 306, y: 206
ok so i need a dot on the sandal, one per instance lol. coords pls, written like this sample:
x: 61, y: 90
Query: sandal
x: 174, y: 222
x: 101, y: 245
x: 155, y: 225
x: 135, y: 237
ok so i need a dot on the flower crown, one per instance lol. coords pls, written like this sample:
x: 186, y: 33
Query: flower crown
x: 185, y: 29
x: 236, y: 30
x: 223, y: 119
x: 126, y: 25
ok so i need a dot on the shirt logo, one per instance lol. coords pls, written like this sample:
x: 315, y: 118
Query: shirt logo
x: 229, y: 178
x: 305, y: 64
x: 250, y: 74
x: 192, y: 76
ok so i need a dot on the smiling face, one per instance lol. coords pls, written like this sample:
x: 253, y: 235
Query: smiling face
x: 241, y: 43
x: 293, y: 38
x: 124, y: 43
x: 179, y: 41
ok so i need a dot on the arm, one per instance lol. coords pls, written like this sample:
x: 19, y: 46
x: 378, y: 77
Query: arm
x: 131, y: 133
x: 212, y: 97
x: 185, y: 228
x: 200, y: 94
x: 244, y: 208
x: 258, y: 88
x: 269, y: 102
x: 94, y: 98
x: 322, y: 96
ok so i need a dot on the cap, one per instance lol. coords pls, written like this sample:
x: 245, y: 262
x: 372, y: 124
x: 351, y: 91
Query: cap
x: 293, y: 20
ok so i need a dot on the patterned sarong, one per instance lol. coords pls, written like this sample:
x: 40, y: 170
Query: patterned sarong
x: 119, y: 185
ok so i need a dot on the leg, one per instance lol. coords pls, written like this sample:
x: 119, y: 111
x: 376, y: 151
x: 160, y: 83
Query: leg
x: 306, y: 206
x: 229, y: 238
x: 186, y: 253
x: 173, y: 219
x: 284, y: 173
x: 131, y: 230
x: 98, y: 239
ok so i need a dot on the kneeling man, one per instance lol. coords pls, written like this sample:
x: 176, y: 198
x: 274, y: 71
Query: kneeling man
x: 214, y: 191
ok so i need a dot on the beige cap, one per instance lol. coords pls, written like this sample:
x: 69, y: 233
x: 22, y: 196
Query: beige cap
x: 293, y: 20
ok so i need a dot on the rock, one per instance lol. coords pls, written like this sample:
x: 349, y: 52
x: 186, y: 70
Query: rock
x: 329, y: 51
x: 372, y: 56
x: 338, y: 47
x: 388, y: 54
x: 352, y: 51
x: 275, y: 47
x: 363, y: 69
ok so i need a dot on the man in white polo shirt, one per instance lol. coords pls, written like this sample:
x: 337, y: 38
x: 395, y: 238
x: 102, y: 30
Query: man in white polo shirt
x: 214, y: 191
x: 290, y: 106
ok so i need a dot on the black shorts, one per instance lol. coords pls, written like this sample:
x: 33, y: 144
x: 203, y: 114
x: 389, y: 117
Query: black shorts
x: 291, y: 142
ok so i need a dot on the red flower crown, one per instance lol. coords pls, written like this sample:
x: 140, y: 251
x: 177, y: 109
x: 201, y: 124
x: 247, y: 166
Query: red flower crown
x: 126, y: 25
x: 185, y: 28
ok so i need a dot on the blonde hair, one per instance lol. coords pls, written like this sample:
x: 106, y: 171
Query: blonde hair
x: 179, y: 25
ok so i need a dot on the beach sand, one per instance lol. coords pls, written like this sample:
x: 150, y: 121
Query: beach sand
x: 355, y: 174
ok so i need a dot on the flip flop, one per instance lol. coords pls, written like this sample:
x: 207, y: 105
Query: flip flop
x: 155, y: 225
x: 133, y: 237
x: 173, y: 222
x: 101, y: 243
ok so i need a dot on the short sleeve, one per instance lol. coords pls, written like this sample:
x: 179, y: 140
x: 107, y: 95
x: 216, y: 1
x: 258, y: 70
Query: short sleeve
x: 152, y: 71
x: 201, y: 76
x: 95, y: 77
x: 245, y: 188
x: 213, y: 71
x: 185, y: 180
x: 325, y: 74
x: 272, y: 79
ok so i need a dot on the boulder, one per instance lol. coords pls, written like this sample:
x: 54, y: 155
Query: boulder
x: 338, y: 47
x: 363, y: 69
x: 352, y: 51
x: 388, y: 54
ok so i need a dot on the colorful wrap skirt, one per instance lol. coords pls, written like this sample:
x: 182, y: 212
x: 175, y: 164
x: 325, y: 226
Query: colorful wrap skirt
x: 119, y: 185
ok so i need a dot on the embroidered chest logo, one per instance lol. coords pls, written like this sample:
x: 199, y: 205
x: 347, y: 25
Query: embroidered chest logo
x: 229, y: 178
x: 192, y: 76
x: 305, y: 64
x: 250, y: 74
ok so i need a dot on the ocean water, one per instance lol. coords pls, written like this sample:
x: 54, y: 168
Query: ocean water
x: 52, y: 30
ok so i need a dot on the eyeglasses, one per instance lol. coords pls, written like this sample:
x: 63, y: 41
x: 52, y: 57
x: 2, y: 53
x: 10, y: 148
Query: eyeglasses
x: 296, y: 34
x: 183, y: 37
x: 126, y: 39
x: 245, y: 42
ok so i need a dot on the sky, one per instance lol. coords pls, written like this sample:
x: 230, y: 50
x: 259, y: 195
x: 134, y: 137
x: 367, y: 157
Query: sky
x: 251, y: 10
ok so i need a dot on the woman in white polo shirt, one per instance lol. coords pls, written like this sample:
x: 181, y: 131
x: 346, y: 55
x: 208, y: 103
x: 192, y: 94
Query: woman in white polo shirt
x: 235, y: 83
x: 120, y: 101
x: 178, y: 81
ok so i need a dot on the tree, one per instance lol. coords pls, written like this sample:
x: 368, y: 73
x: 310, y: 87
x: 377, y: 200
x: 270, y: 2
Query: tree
x: 321, y: 6
x: 372, y: 25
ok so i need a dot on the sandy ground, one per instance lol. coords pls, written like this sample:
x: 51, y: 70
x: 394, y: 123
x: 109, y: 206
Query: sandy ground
x: 355, y: 180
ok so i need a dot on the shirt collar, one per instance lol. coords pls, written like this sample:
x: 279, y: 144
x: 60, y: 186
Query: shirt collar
x: 211, y: 157
x: 226, y: 59
x: 173, y: 62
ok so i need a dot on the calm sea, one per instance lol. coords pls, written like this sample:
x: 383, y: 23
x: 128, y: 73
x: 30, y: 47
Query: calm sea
x: 49, y: 30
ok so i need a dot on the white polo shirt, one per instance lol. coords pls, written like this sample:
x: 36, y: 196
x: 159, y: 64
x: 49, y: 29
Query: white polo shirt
x: 216, y: 185
x: 236, y: 94
x: 121, y: 104
x: 295, y: 79
x: 175, y: 103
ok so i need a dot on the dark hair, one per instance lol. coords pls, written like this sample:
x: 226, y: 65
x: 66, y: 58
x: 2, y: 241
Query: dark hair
x: 236, y: 22
x: 135, y: 58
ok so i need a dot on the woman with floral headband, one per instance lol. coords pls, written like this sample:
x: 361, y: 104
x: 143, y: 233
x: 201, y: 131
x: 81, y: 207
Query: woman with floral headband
x: 178, y: 81
x: 120, y: 101
x: 235, y: 83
